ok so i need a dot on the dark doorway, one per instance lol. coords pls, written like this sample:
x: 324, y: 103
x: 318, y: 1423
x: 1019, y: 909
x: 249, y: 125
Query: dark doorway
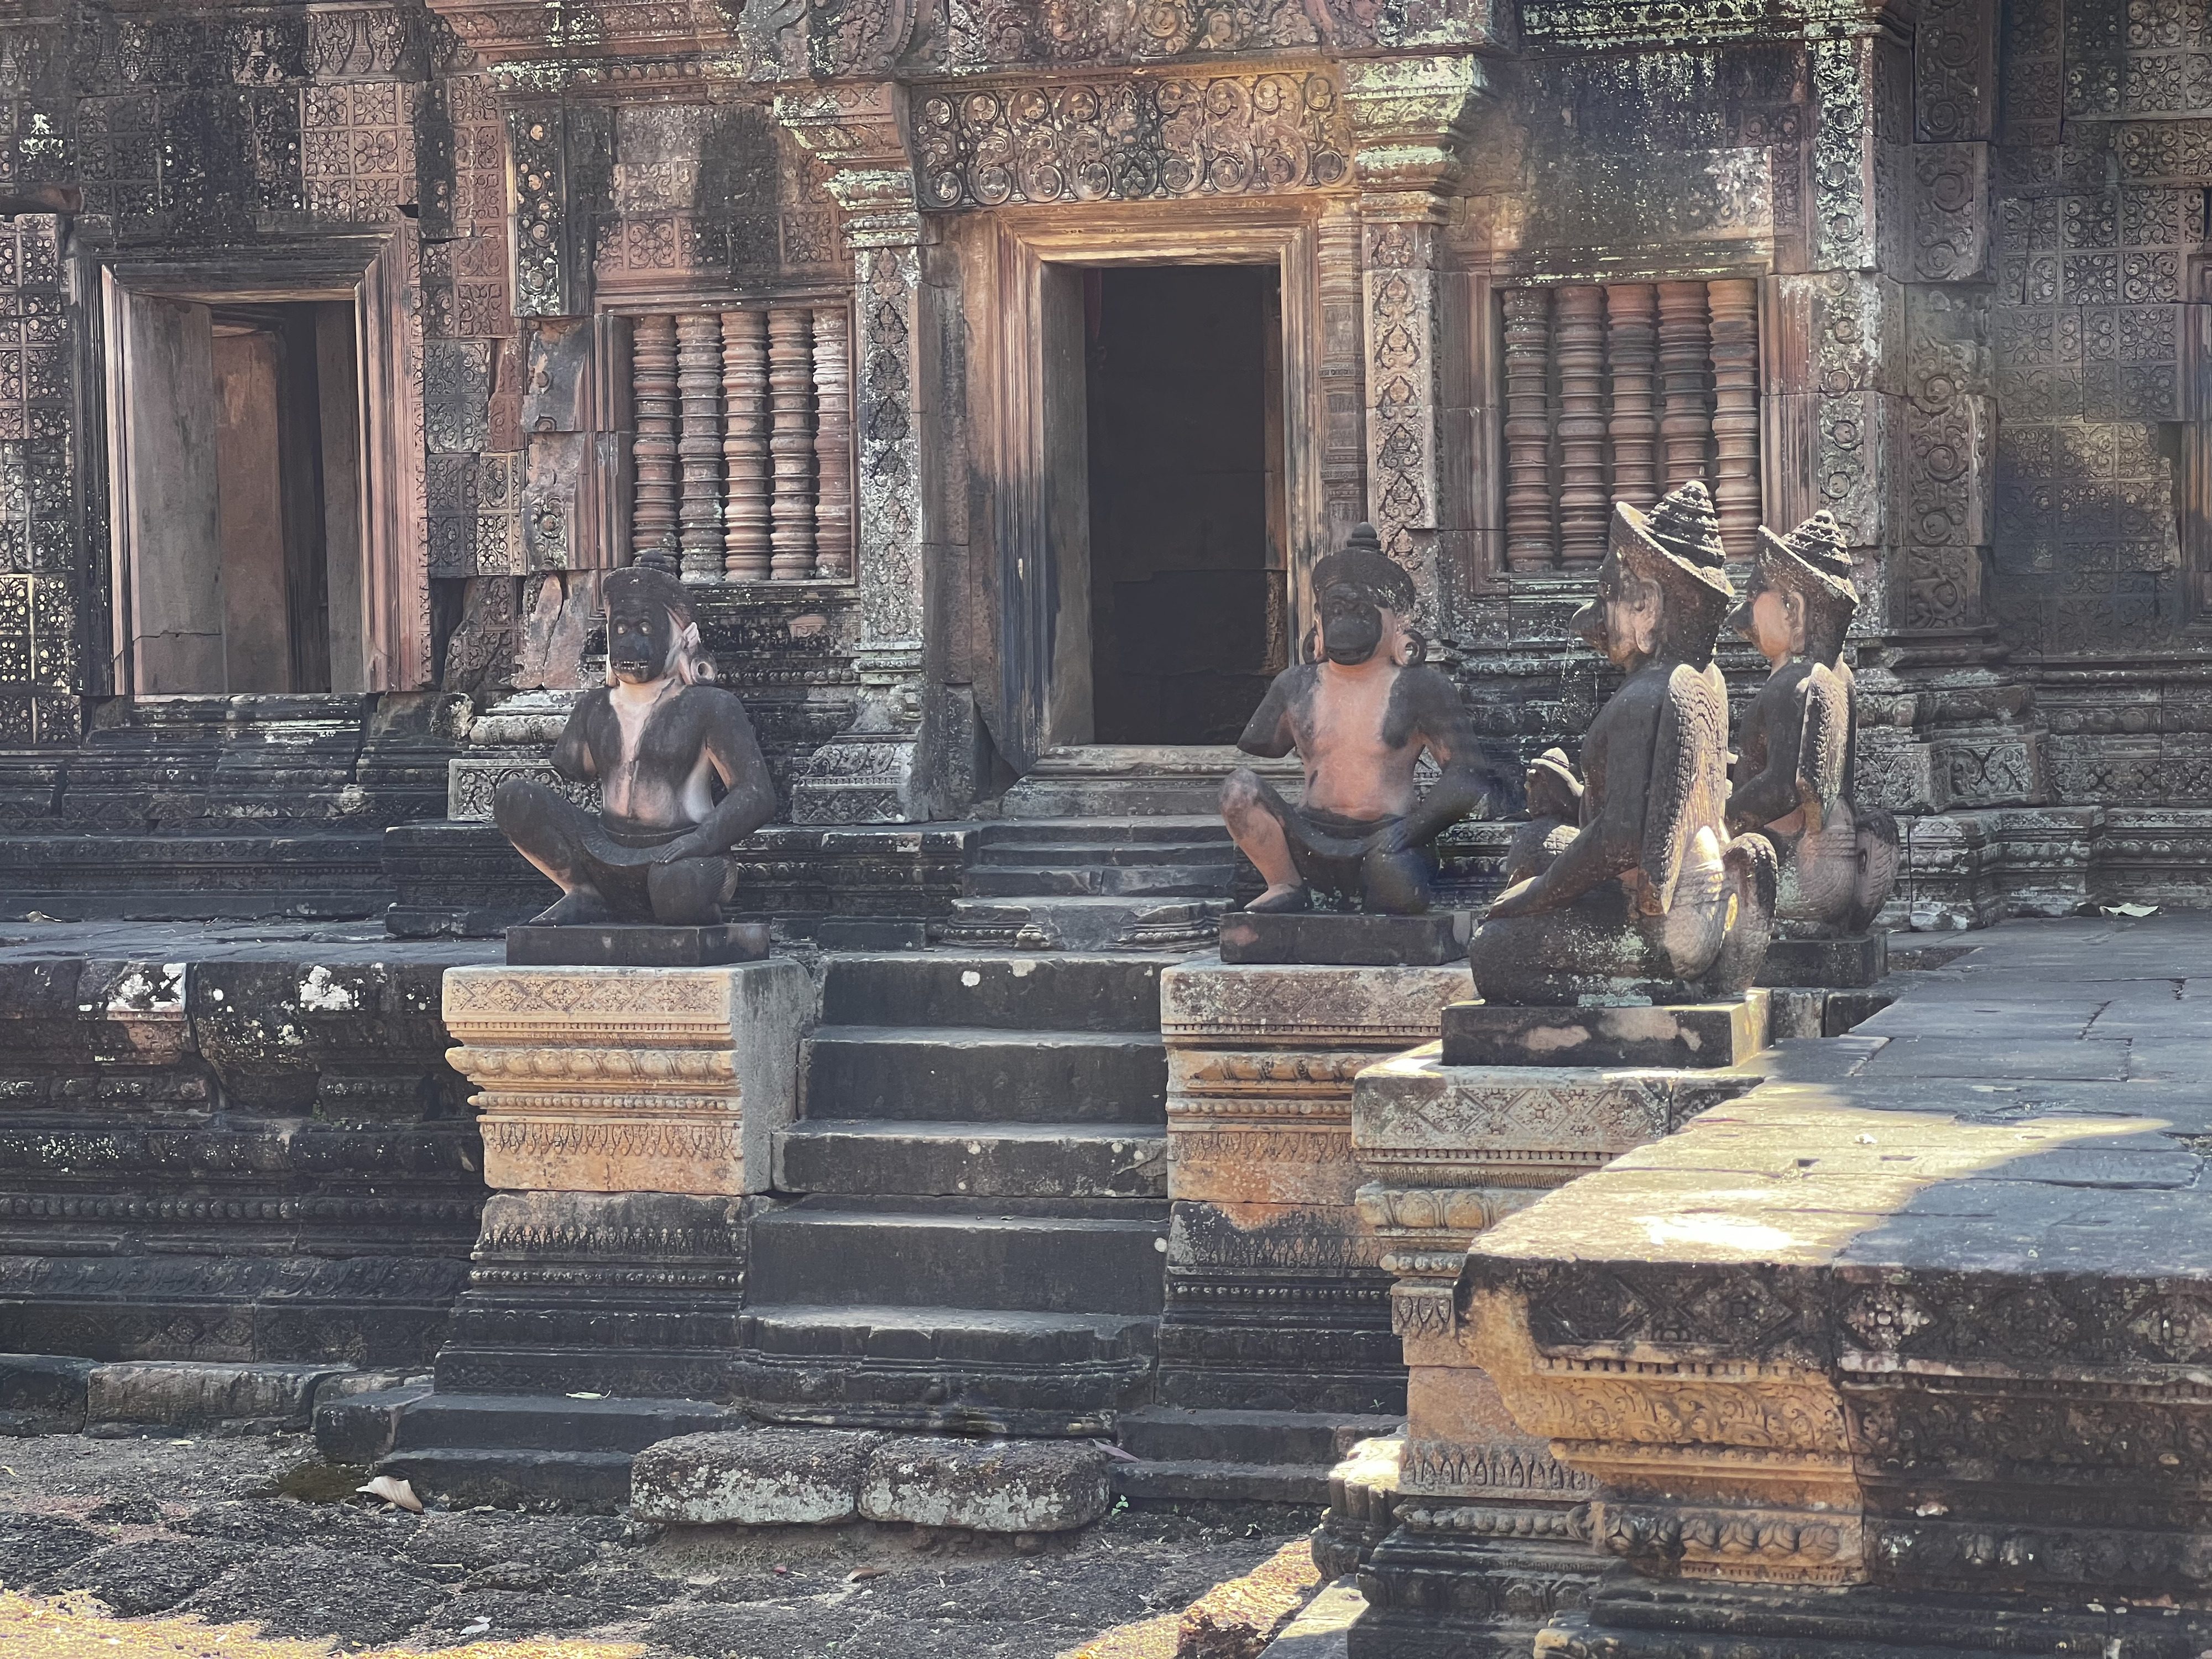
x: 1183, y: 410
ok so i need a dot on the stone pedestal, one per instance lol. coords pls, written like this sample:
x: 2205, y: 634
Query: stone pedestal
x: 1847, y: 963
x: 628, y: 1117
x: 1492, y: 1536
x: 1344, y: 939
x: 1276, y: 1294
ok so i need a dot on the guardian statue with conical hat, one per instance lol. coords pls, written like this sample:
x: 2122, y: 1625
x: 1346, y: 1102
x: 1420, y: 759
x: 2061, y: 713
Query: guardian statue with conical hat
x: 1360, y: 712
x: 680, y: 774
x: 1651, y: 900
x: 1798, y: 743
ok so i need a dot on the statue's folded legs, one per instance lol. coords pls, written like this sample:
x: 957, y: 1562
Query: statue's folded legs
x: 608, y: 873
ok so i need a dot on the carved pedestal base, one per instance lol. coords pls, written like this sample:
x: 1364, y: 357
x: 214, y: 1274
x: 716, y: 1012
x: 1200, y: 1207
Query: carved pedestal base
x: 628, y: 1115
x: 1494, y: 1532
x: 1277, y: 1298
x: 1344, y: 939
x: 1697, y: 1034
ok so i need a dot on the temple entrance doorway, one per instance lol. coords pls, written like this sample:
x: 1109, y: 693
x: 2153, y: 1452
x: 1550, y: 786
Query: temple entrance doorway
x: 235, y: 434
x: 1182, y: 417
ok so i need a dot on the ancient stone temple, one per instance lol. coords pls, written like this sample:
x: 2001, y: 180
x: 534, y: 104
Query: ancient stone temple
x: 994, y: 377
x: 998, y: 369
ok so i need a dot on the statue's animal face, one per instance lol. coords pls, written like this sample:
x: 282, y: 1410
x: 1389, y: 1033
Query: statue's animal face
x: 1625, y: 620
x: 638, y: 639
x: 1773, y: 619
x: 1352, y: 623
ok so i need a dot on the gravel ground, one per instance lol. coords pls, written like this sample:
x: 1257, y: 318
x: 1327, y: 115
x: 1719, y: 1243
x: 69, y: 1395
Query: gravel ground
x: 260, y: 1530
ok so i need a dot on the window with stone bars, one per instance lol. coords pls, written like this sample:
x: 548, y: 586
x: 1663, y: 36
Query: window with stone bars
x: 743, y: 445
x: 1622, y: 391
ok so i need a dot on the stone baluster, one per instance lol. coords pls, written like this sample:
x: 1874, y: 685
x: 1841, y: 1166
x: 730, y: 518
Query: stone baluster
x: 699, y: 447
x: 1631, y: 346
x: 790, y: 442
x: 1585, y: 503
x: 652, y: 392
x: 833, y: 442
x: 1684, y: 352
x: 1735, y: 413
x: 1528, y: 542
x: 745, y: 515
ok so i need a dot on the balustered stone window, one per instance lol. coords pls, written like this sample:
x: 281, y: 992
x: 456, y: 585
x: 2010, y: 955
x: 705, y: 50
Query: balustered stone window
x: 743, y: 445
x: 1621, y: 392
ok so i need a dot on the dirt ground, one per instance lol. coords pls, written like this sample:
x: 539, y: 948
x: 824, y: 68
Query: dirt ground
x: 258, y: 1530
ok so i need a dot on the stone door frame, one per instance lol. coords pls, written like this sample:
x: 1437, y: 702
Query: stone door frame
x: 368, y: 273
x: 1009, y: 337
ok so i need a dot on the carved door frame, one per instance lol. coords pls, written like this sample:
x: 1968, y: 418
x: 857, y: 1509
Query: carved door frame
x: 374, y: 274
x: 1011, y: 338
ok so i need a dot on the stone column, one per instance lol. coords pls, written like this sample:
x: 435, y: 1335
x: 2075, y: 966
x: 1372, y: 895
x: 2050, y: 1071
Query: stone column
x: 879, y: 770
x: 1408, y: 119
x: 629, y: 1118
x: 1276, y: 1291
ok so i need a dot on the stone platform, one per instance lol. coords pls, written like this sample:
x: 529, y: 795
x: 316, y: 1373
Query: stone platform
x: 231, y: 1143
x: 1901, y: 1351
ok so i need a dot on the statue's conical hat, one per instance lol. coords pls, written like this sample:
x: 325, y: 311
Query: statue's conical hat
x: 1680, y: 536
x: 1812, y: 559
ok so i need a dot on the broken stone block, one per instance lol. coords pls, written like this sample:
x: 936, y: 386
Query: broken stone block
x: 986, y: 1485
x: 181, y: 1392
x: 753, y: 1478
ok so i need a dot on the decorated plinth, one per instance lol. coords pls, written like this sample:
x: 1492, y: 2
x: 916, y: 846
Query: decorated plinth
x: 628, y: 1116
x: 1491, y: 1535
x: 1276, y: 1293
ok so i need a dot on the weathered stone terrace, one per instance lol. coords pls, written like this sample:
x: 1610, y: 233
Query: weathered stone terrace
x: 1922, y: 1322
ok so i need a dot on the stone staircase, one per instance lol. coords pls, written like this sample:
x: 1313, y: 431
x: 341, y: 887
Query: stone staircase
x: 980, y: 1165
x: 1109, y: 846
x: 1129, y: 884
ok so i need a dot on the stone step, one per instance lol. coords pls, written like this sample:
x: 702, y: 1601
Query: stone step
x: 970, y: 1370
x: 960, y: 1075
x: 468, y: 1444
x: 1133, y: 923
x: 995, y: 1336
x: 1137, y: 780
x: 1198, y: 1481
x: 1204, y: 830
x: 1069, y: 992
x: 1081, y: 880
x: 939, y: 1258
x: 550, y: 1423
x: 1038, y: 1160
x: 1317, y: 1440
x: 462, y: 1478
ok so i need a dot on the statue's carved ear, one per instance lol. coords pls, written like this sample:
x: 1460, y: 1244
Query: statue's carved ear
x: 1417, y: 650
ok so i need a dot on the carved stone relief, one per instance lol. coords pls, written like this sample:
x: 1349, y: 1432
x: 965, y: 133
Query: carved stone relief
x: 1134, y: 140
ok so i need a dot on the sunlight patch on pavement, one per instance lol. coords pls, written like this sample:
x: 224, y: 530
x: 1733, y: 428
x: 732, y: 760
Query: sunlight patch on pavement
x: 75, y: 1626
